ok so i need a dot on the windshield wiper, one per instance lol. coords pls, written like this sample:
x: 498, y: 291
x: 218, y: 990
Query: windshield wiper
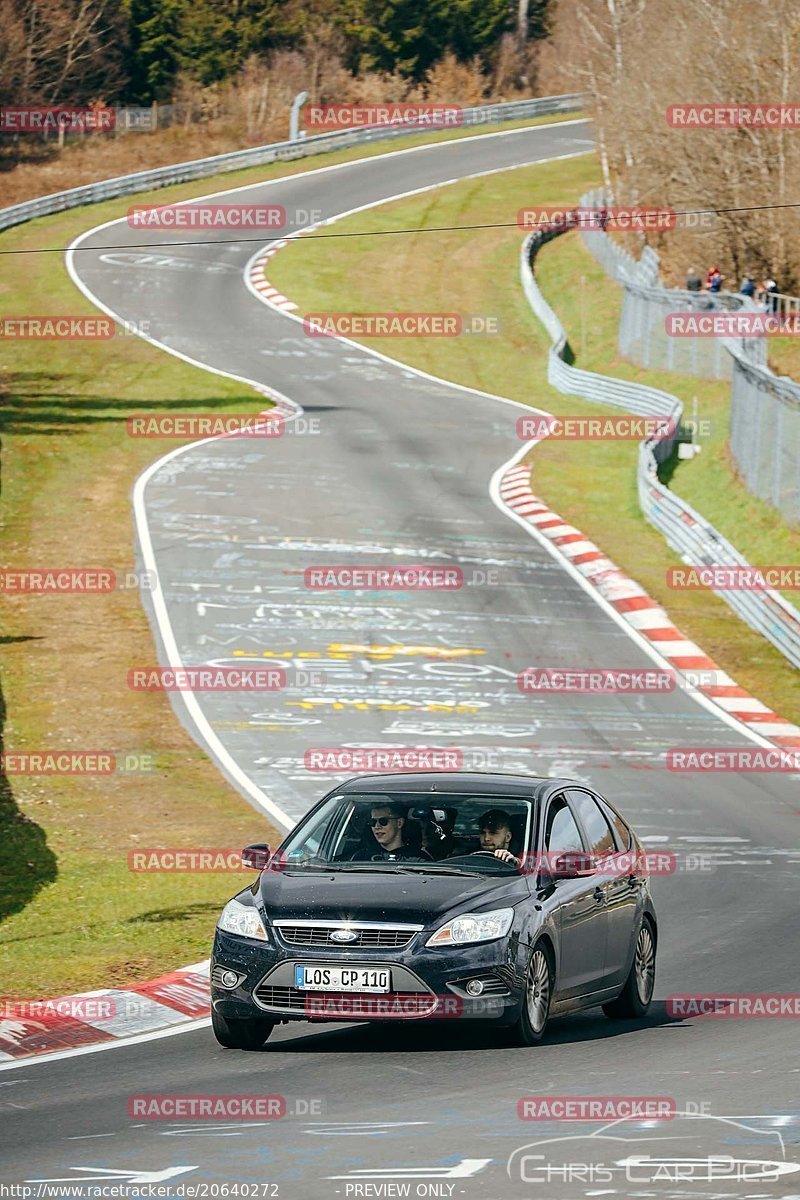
x: 382, y: 867
x: 438, y: 869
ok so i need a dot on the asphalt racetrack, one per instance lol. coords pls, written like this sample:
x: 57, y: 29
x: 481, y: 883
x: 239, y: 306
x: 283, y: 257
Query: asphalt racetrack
x: 399, y: 472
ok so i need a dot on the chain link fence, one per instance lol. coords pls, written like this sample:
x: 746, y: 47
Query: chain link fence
x: 685, y: 530
x: 765, y: 408
x: 765, y: 434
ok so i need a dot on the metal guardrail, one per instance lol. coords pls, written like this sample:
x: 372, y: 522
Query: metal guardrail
x: 686, y: 532
x: 201, y: 168
x: 783, y: 304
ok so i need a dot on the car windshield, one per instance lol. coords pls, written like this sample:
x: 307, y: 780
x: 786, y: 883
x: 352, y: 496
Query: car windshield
x: 409, y: 831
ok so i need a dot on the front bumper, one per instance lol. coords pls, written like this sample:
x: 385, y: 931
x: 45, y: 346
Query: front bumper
x: 427, y: 984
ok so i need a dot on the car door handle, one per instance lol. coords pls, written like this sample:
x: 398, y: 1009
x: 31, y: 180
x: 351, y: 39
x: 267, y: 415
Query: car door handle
x: 599, y: 894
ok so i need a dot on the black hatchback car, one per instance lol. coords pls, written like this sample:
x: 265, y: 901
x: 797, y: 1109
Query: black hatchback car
x: 438, y: 895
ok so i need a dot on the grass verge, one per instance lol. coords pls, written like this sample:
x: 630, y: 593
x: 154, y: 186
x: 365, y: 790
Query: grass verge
x: 592, y: 485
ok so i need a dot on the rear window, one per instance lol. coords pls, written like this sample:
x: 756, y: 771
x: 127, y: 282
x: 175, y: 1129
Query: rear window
x: 621, y: 831
x: 594, y: 822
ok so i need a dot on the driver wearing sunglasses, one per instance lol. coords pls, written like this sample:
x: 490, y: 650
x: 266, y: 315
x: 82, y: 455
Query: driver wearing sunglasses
x: 387, y: 823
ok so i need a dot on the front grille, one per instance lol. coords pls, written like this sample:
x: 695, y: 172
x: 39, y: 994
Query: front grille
x: 383, y: 937
x: 286, y: 998
x: 289, y: 999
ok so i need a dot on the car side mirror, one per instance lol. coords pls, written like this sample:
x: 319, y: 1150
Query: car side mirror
x: 256, y: 856
x: 572, y: 865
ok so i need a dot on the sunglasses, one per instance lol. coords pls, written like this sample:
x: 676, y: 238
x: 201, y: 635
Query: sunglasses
x: 382, y: 821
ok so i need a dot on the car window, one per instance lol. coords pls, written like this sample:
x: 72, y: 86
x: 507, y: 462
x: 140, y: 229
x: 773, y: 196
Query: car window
x: 416, y: 827
x: 621, y: 830
x: 561, y: 831
x: 593, y: 820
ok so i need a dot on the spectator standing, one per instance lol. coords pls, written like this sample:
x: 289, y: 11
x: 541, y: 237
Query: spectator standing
x: 693, y: 281
x: 748, y: 287
x: 769, y: 290
x: 714, y: 280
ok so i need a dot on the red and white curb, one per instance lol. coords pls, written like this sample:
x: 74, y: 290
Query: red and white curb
x: 31, y: 1027
x: 256, y: 273
x: 642, y: 612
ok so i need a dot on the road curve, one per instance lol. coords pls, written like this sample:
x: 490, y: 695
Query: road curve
x: 399, y: 472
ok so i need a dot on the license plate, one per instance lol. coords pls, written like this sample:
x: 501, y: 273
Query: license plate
x: 342, y: 979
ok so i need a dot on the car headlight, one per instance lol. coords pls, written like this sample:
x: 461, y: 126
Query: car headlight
x: 474, y: 927
x: 242, y: 919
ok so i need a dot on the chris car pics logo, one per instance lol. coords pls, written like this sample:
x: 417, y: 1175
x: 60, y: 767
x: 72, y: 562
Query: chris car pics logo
x: 674, y: 1151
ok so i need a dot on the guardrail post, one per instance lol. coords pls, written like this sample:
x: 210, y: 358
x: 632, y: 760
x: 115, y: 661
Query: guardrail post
x: 295, y: 133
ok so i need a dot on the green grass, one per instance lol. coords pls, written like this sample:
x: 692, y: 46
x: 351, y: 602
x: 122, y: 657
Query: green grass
x: 72, y: 916
x: 591, y: 484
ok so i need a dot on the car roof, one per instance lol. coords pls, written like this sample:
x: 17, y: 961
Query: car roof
x: 477, y: 783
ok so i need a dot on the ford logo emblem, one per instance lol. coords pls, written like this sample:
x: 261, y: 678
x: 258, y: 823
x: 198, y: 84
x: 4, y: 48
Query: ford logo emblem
x: 343, y: 935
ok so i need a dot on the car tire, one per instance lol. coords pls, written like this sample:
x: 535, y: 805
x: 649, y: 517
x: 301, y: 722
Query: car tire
x: 247, y: 1033
x: 529, y: 1028
x: 636, y: 996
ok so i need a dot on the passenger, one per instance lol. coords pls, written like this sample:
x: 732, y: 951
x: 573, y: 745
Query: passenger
x: 388, y: 822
